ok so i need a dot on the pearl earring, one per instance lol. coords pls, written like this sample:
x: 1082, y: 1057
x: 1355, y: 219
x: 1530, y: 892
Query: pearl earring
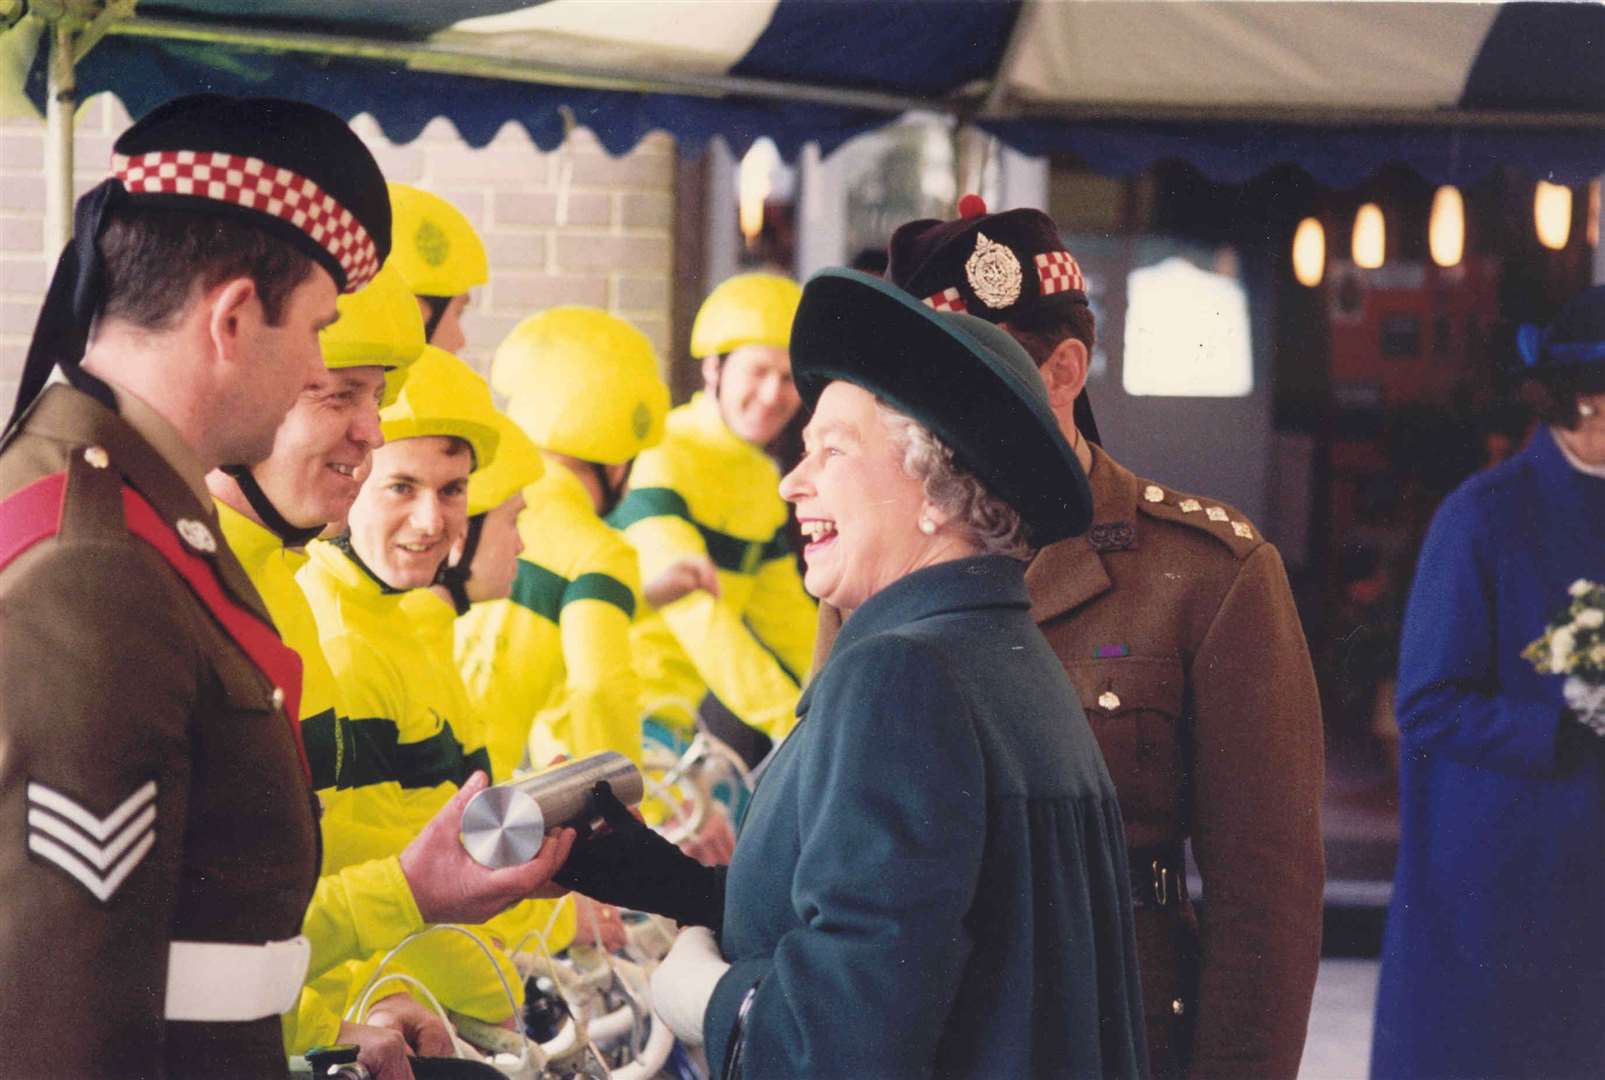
x: 1585, y: 409
x: 927, y: 526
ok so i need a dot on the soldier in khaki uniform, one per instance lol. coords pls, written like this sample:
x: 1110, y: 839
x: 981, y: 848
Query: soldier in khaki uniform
x: 1174, y: 620
x: 159, y: 843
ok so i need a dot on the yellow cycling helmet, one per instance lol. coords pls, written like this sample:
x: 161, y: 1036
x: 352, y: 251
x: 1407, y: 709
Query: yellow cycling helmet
x: 584, y: 383
x: 444, y: 396
x: 434, y: 247
x: 748, y: 309
x: 379, y: 326
x: 517, y: 465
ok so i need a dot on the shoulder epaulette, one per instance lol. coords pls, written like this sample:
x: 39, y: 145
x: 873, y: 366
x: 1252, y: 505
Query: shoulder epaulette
x: 83, y: 499
x: 1215, y: 519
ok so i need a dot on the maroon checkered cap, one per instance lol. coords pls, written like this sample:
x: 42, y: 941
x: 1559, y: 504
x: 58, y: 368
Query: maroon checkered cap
x: 991, y: 265
x: 996, y: 266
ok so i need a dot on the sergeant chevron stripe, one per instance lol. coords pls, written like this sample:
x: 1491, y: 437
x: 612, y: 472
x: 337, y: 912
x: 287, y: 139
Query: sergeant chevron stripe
x: 98, y: 852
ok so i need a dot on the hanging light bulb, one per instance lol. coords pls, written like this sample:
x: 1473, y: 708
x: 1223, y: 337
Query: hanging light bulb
x: 1309, y: 252
x: 1370, y: 237
x: 1593, y: 214
x: 1446, y: 229
x: 1552, y: 214
x: 754, y: 182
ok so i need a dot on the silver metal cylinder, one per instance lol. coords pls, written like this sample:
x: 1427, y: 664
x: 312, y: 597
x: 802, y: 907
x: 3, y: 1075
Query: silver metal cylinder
x: 505, y: 824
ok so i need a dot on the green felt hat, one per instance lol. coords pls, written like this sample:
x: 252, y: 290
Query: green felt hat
x: 963, y: 378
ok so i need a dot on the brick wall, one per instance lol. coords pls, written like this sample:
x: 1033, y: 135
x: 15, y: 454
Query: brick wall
x: 571, y: 227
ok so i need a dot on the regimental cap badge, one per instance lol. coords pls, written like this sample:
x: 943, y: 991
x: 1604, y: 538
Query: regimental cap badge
x: 993, y: 272
x: 196, y: 535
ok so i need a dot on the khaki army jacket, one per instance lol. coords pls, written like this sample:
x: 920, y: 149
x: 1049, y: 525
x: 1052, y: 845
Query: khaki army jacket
x: 152, y: 788
x: 1175, y: 622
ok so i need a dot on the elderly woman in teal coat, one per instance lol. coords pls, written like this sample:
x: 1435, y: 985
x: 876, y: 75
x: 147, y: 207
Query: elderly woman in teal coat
x: 1494, y: 960
x: 931, y: 878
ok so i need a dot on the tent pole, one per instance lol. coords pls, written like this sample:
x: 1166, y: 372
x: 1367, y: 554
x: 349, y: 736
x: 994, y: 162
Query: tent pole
x: 1594, y: 229
x: 972, y: 147
x: 60, y: 106
x: 75, y: 27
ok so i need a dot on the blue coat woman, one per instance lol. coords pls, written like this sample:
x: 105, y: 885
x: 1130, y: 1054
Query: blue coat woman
x: 1494, y: 957
x: 931, y: 877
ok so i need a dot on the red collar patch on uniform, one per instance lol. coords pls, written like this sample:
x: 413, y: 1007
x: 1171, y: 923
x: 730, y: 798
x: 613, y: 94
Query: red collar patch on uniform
x: 34, y: 513
x: 259, y: 640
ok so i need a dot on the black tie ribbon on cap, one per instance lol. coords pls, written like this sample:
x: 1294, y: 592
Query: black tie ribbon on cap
x: 76, y: 291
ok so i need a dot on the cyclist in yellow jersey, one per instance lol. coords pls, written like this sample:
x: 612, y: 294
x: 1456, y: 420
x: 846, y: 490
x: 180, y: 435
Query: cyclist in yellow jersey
x: 550, y: 668
x: 708, y: 489
x: 386, y: 635
x: 442, y: 258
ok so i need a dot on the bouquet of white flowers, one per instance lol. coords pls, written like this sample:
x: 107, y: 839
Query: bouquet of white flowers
x: 1573, y: 645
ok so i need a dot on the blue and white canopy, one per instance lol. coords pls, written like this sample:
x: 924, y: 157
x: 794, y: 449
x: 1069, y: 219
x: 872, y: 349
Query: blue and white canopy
x: 1235, y: 87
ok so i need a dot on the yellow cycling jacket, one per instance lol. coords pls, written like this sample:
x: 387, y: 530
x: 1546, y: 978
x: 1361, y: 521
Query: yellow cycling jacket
x: 362, y: 910
x: 408, y: 716
x: 705, y: 491
x: 416, y: 741
x: 549, y: 671
x: 329, y: 742
x: 358, y: 907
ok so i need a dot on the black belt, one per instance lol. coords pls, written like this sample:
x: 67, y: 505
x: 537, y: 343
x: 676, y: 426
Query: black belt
x: 1158, y: 877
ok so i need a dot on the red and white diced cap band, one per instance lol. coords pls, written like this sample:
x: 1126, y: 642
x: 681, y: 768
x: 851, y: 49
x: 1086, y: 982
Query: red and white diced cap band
x: 1056, y: 270
x: 256, y: 185
x: 1058, y: 273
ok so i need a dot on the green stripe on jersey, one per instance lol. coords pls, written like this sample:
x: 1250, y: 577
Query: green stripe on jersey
x: 603, y: 587
x: 729, y: 553
x: 378, y: 756
x: 546, y: 593
x: 539, y: 590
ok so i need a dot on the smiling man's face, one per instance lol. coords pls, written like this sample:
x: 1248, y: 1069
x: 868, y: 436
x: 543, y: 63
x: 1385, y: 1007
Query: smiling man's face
x: 412, y: 508
x: 313, y: 474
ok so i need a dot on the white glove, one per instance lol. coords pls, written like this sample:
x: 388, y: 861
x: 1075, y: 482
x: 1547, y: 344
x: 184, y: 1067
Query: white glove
x: 1587, y: 702
x: 685, y: 981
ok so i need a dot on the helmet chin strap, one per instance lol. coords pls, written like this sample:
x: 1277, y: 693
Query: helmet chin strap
x: 343, y: 543
x: 438, y: 306
x: 454, y: 579
x: 272, y: 520
x: 611, y: 492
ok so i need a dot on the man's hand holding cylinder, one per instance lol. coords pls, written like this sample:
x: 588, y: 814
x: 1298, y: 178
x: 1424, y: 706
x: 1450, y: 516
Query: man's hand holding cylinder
x: 449, y: 886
